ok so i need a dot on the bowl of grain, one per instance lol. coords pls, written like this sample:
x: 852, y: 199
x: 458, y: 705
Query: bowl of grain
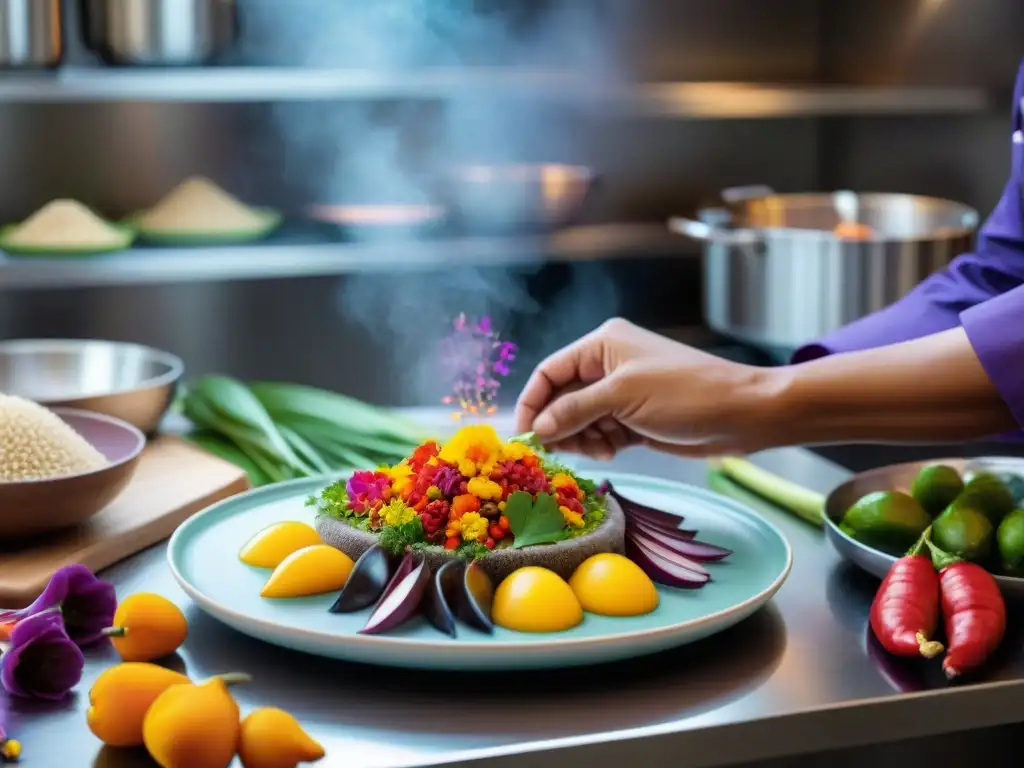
x: 64, y: 228
x: 60, y: 467
x: 198, y: 212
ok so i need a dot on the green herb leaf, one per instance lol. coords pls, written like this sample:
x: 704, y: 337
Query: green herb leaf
x: 332, y: 501
x: 534, y: 522
x: 397, y: 538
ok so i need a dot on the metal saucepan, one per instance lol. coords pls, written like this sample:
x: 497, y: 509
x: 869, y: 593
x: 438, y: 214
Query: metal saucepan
x: 159, y: 32
x: 31, y: 34
x: 518, y: 198
x: 778, y: 272
x: 127, y: 381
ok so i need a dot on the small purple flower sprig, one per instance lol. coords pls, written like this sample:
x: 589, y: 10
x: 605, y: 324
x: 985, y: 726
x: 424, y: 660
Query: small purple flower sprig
x: 44, y: 659
x: 477, y: 359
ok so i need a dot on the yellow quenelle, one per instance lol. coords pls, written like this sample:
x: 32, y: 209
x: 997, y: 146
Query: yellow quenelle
x: 535, y: 599
x: 309, y: 571
x: 613, y: 585
x: 273, y: 544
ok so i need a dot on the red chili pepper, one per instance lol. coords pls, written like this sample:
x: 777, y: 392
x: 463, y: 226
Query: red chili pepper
x: 905, y: 612
x: 974, y: 612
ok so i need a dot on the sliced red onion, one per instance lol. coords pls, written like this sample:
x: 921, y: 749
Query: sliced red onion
x: 662, y: 571
x: 683, y: 545
x: 654, y: 547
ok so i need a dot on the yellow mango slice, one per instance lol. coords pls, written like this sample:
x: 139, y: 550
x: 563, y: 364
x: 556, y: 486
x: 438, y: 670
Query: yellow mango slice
x: 273, y: 544
x: 535, y: 599
x: 309, y: 571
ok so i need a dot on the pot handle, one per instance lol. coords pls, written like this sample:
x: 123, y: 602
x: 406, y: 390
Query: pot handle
x: 698, y: 230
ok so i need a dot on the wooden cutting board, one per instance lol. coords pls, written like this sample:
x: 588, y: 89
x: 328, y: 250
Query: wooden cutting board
x: 173, y: 480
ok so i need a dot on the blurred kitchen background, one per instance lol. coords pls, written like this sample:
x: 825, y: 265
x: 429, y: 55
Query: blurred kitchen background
x: 344, y: 102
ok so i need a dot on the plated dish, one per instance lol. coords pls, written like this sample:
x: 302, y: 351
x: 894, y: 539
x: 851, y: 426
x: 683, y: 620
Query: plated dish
x: 464, y: 551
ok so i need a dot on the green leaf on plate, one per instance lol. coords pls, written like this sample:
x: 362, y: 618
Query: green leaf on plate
x: 532, y: 521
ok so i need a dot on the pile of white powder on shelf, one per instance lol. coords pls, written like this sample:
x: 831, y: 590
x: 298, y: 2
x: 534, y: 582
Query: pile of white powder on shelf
x: 199, y: 205
x: 65, y: 224
x: 36, y: 444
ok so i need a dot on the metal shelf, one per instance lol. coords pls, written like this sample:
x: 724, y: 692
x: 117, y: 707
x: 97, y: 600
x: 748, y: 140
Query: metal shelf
x: 688, y: 100
x: 283, y: 259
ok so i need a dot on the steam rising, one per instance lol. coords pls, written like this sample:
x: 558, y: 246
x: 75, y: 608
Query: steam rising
x: 372, y: 153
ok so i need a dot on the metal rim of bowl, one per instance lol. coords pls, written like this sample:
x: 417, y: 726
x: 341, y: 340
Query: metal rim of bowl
x: 140, y: 444
x: 173, y: 362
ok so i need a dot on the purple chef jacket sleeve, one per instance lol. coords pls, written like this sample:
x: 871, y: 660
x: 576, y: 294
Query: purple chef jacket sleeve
x: 982, y: 291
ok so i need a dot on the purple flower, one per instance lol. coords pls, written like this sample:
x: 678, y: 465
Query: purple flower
x: 42, y: 662
x: 448, y: 480
x: 86, y: 603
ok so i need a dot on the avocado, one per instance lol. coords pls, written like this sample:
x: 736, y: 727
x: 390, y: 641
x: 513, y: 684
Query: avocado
x: 936, y: 486
x: 1010, y: 540
x: 987, y: 493
x: 887, y: 520
x: 963, y: 530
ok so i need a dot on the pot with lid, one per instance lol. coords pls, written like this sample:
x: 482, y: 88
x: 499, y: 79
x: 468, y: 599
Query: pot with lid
x: 781, y: 270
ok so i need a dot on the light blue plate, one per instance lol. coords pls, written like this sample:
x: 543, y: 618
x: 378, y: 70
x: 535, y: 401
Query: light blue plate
x: 203, y: 555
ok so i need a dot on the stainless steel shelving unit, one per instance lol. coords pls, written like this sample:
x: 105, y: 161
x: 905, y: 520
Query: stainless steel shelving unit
x: 281, y: 258
x: 682, y: 100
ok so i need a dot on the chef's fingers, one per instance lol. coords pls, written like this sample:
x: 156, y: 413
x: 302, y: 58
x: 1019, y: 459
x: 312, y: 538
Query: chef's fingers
x: 581, y: 362
x: 617, y: 435
x: 599, y: 449
x: 572, y: 444
x: 571, y: 413
x: 687, y: 451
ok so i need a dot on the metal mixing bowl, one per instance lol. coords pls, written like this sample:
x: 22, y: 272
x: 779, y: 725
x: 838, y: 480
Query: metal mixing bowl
x: 127, y: 381
x: 519, y: 197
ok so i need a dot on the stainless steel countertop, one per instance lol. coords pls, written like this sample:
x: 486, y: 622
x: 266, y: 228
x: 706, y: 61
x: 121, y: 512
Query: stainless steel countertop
x: 795, y: 678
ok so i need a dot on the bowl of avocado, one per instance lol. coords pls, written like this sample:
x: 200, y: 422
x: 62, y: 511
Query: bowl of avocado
x: 975, y: 509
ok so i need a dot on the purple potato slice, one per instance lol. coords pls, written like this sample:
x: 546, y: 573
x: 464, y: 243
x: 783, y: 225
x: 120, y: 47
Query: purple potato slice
x: 475, y: 598
x: 663, y: 571
x: 440, y: 596
x: 366, y: 583
x: 687, y: 547
x: 402, y: 598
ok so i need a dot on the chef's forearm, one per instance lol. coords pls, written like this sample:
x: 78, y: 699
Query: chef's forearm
x: 933, y: 389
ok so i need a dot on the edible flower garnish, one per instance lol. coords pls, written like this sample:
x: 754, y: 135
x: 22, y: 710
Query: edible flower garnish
x: 473, y: 449
x: 43, y: 662
x: 478, y: 359
x: 86, y: 603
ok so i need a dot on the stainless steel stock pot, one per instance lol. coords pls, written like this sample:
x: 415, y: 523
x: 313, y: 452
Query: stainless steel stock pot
x: 779, y: 271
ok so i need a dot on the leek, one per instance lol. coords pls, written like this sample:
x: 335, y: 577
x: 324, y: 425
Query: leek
x: 803, y: 502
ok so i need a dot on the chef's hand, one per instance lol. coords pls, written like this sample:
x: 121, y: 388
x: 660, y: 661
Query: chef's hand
x: 621, y: 385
